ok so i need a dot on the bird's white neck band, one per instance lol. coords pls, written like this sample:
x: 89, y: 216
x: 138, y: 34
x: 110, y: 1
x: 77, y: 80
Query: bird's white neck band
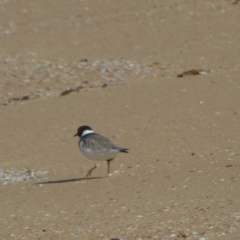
x: 86, y: 132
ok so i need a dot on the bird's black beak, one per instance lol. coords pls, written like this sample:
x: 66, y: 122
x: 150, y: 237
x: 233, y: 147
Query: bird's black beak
x: 76, y: 135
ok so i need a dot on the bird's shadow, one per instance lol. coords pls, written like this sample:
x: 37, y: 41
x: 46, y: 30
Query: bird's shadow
x: 68, y: 180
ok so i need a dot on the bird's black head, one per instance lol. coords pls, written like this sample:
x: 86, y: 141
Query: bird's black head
x: 81, y: 130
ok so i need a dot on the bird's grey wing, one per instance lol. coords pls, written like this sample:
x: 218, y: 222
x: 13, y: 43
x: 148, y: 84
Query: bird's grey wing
x: 97, y: 143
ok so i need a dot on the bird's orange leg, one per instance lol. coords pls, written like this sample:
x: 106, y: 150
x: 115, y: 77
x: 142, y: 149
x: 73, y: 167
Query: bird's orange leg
x: 108, y: 163
x: 90, y: 171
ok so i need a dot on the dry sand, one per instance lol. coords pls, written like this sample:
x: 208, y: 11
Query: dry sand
x: 181, y: 179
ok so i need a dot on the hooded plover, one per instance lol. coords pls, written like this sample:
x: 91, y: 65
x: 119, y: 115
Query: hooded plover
x: 97, y: 147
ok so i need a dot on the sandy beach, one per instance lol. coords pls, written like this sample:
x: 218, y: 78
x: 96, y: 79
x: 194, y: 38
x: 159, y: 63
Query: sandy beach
x: 158, y: 77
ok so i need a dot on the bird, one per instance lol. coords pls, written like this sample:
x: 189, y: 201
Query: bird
x: 97, y: 147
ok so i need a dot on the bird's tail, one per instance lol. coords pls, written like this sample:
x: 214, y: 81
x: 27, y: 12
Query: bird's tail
x: 124, y: 150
